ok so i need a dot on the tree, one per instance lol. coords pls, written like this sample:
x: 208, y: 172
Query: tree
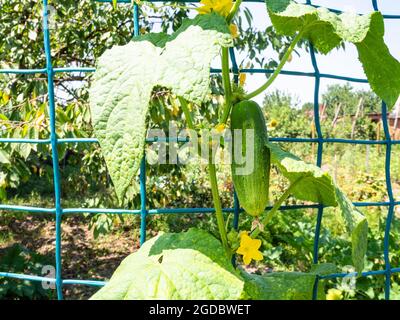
x: 80, y: 33
x: 284, y: 116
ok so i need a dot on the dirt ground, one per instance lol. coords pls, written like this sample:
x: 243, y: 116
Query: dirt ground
x: 83, y: 257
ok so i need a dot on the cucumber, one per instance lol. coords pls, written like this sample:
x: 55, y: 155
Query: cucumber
x: 253, y: 188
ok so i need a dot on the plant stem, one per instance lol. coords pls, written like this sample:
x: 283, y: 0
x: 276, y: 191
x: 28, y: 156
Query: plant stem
x: 213, y: 181
x: 186, y: 112
x: 193, y: 133
x: 277, y: 70
x: 218, y: 208
x: 227, y: 85
x: 276, y: 206
x: 233, y: 11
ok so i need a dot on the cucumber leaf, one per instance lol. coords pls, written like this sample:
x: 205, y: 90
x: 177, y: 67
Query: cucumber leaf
x: 318, y: 186
x: 289, y: 17
x: 357, y: 226
x: 315, y: 185
x: 326, y: 30
x: 381, y: 68
x: 119, y: 101
x: 287, y: 285
x: 189, y: 265
x: 126, y: 75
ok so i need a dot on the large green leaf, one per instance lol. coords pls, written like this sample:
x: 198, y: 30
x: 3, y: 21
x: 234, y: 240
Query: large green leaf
x: 357, y: 225
x: 315, y: 185
x: 382, y: 70
x: 289, y: 17
x: 326, y: 30
x: 318, y: 186
x: 126, y: 76
x: 287, y: 285
x: 189, y: 265
x: 119, y: 99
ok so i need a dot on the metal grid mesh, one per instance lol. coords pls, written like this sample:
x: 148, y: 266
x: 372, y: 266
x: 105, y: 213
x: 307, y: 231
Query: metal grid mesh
x: 58, y: 211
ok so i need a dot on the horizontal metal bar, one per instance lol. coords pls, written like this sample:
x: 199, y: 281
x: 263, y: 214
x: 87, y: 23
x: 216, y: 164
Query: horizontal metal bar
x: 156, y: 139
x: 74, y: 69
x: 83, y: 140
x: 22, y: 71
x: 212, y: 70
x: 96, y: 283
x: 44, y: 70
x: 187, y: 210
x: 99, y: 283
x: 30, y: 141
x: 77, y: 140
x: 354, y: 274
x: 138, y: 211
x: 385, y: 16
x: 300, y: 74
x: 99, y: 210
x: 26, y: 277
x: 174, y: 210
x: 92, y: 283
x: 27, y: 209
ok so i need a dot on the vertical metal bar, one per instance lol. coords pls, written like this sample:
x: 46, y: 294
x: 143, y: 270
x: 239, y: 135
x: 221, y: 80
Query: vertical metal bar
x: 136, y: 28
x: 236, y: 205
x: 143, y: 213
x: 235, y: 68
x: 389, y: 217
x: 375, y: 5
x: 236, y: 210
x: 235, y: 224
x: 319, y: 158
x: 54, y: 151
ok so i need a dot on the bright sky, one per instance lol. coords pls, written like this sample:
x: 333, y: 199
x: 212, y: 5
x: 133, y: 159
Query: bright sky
x: 338, y: 62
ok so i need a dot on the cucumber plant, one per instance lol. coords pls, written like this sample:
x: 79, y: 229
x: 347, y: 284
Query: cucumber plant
x: 195, y: 264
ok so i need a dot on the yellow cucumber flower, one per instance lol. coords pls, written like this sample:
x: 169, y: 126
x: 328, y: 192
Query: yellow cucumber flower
x: 249, y: 248
x: 222, y: 7
x: 272, y: 124
x: 234, y: 30
x: 334, y: 294
x: 220, y: 127
x: 242, y: 79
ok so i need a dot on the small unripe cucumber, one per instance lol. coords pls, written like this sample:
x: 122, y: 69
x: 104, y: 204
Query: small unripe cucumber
x: 252, y: 189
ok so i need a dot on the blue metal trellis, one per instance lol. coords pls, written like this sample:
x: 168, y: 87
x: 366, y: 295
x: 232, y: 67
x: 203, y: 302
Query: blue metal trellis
x: 144, y: 212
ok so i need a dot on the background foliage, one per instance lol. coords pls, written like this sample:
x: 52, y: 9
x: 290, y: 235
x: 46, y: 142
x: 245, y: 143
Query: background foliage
x: 81, y: 32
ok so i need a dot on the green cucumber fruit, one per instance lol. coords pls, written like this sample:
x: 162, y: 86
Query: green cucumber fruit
x: 252, y: 188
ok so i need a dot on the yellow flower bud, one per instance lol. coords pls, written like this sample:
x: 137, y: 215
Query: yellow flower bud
x: 334, y: 294
x: 242, y: 79
x: 234, y: 30
x: 220, y: 127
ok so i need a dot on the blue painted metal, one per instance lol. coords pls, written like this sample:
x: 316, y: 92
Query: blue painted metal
x: 319, y: 157
x: 54, y: 152
x: 143, y: 211
x: 58, y: 211
x: 389, y: 217
x: 136, y: 28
